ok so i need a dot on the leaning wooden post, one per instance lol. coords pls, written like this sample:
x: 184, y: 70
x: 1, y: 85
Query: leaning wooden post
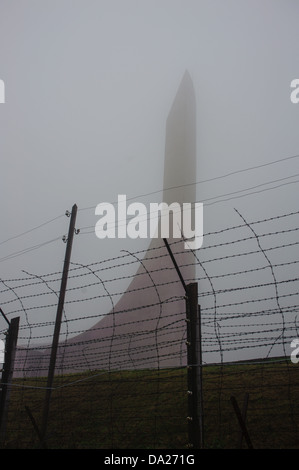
x: 244, y: 413
x: 241, y: 422
x: 58, y: 323
x: 7, y: 374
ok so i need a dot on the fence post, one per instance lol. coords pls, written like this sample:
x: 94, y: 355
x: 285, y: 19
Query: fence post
x: 194, y: 359
x: 7, y: 374
x: 58, y: 323
x: 194, y: 367
x: 199, y: 380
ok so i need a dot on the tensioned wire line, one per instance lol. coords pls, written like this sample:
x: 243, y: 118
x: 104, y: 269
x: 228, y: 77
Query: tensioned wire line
x: 15, y: 254
x: 27, y: 250
x: 31, y: 230
x: 208, y: 180
x: 215, y: 178
x: 236, y: 194
x: 219, y: 232
x: 123, y: 222
x: 84, y: 379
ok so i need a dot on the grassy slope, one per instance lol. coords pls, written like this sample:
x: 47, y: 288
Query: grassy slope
x: 148, y: 409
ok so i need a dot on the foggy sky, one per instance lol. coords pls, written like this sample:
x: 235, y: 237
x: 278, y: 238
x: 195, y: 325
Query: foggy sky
x: 89, y: 85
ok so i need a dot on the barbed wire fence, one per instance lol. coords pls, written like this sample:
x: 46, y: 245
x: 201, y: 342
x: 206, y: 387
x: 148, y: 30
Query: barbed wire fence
x: 122, y: 368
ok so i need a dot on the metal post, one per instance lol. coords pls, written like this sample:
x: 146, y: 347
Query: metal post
x: 175, y: 263
x: 194, y: 359
x: 199, y: 381
x: 58, y: 322
x: 195, y: 401
x: 7, y: 374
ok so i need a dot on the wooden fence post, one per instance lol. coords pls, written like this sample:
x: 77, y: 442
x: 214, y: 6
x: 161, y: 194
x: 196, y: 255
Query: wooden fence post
x: 55, y: 341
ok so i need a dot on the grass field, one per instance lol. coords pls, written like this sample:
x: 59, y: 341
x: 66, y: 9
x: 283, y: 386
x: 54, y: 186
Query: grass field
x: 148, y: 409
